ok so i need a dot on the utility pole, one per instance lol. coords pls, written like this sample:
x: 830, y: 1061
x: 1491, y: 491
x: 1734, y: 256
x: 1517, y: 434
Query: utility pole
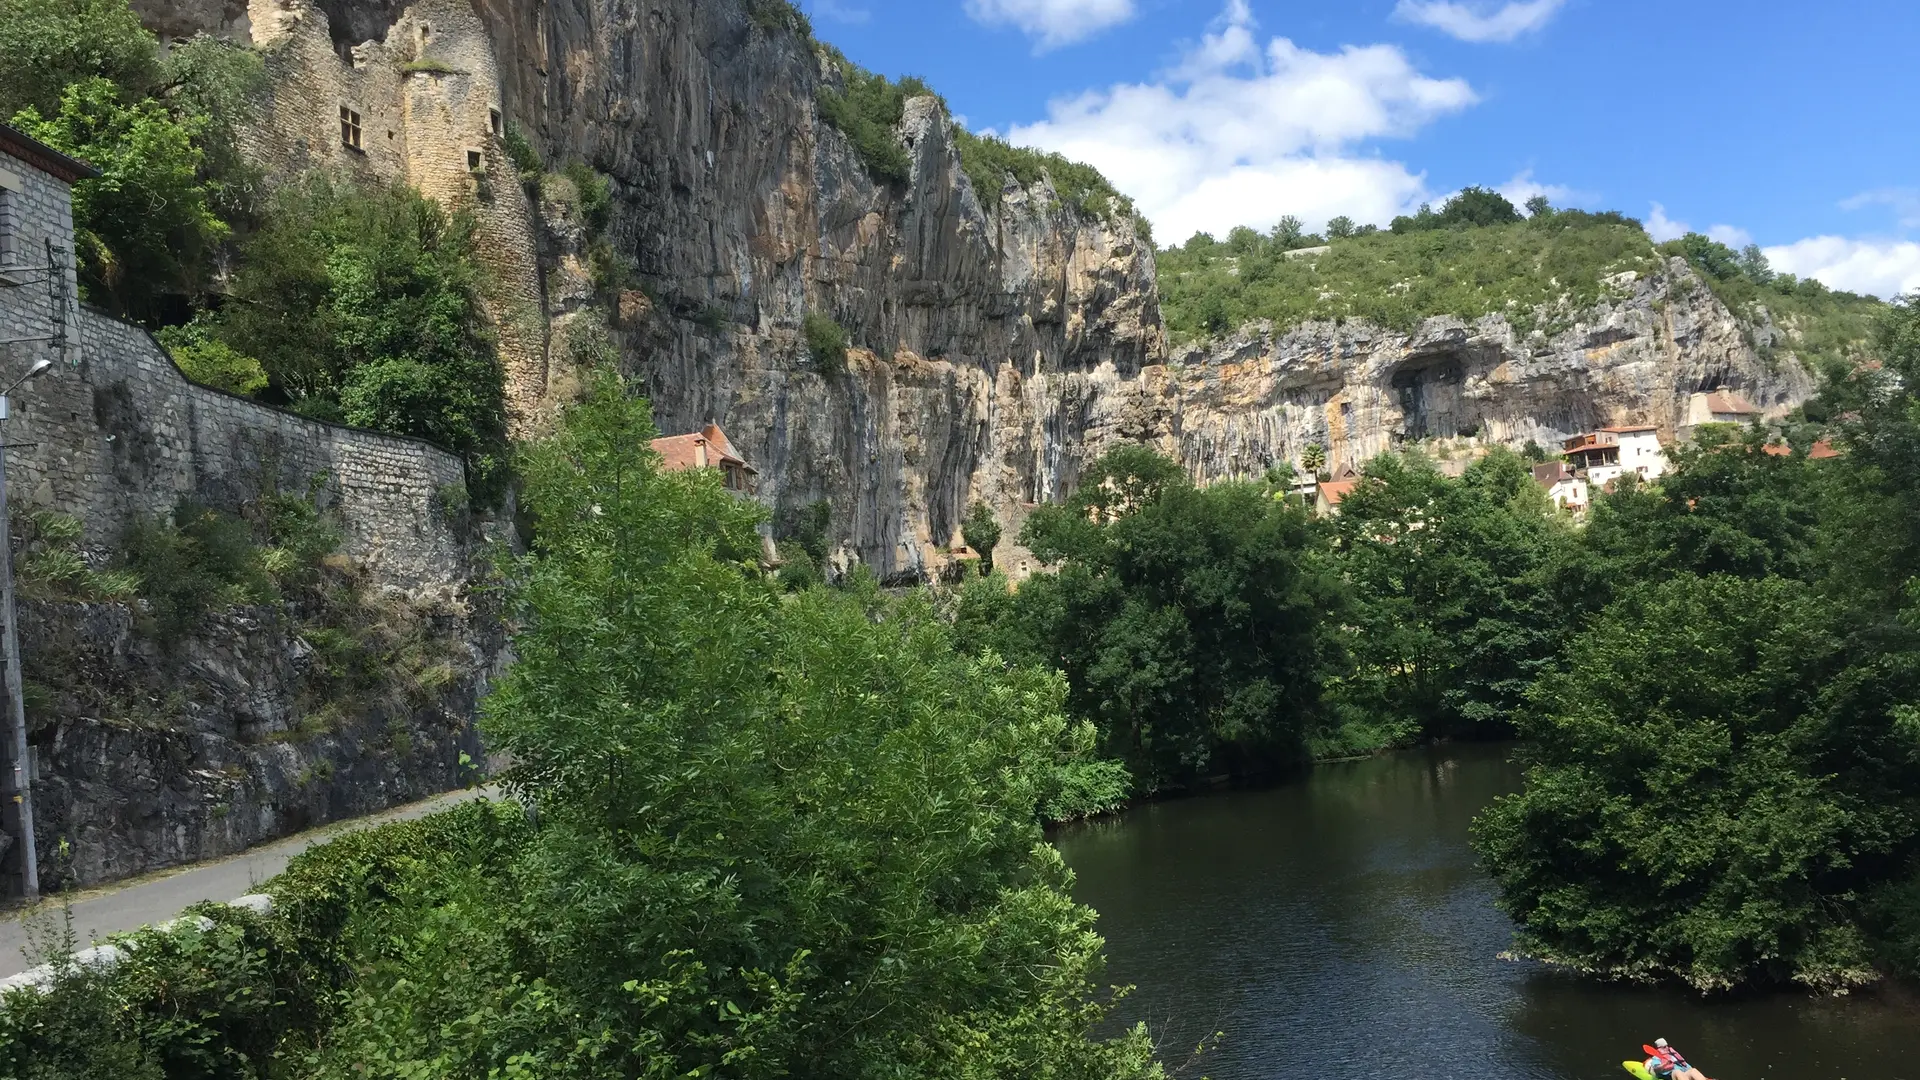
x: 16, y: 707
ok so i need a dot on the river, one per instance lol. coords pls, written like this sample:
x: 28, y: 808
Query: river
x: 1339, y: 927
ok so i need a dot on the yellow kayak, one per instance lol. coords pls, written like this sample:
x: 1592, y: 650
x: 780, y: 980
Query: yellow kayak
x: 1638, y: 1069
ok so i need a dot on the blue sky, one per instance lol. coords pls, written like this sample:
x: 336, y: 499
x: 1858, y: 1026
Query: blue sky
x: 1791, y: 124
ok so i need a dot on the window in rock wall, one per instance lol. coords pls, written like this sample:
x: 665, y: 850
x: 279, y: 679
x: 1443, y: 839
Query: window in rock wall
x: 493, y: 121
x: 349, y: 128
x: 473, y: 160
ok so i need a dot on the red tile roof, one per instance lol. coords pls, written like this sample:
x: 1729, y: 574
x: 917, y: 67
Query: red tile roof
x: 1335, y: 490
x: 1727, y: 401
x: 1549, y: 473
x: 1631, y: 428
x: 1822, y: 450
x: 684, y: 451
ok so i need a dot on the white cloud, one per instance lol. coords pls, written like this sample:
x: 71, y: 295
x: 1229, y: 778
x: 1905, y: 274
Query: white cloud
x: 1731, y: 235
x: 1052, y: 23
x: 1474, y: 22
x: 1663, y: 228
x: 1239, y: 134
x: 840, y: 12
x: 1884, y: 268
x: 1904, y: 201
x: 1523, y: 187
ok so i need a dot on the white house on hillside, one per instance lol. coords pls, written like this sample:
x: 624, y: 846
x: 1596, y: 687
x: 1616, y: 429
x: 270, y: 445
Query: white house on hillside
x: 1601, y: 457
x: 1564, y: 486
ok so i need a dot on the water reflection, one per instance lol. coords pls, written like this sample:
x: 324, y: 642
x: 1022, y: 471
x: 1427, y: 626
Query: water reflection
x: 1340, y: 925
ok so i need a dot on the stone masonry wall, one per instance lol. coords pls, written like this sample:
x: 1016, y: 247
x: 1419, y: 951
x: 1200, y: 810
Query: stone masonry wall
x: 150, y: 751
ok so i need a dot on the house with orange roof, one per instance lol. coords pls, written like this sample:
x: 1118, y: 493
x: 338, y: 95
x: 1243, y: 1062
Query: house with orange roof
x: 1720, y: 407
x: 1328, y: 495
x: 708, y: 448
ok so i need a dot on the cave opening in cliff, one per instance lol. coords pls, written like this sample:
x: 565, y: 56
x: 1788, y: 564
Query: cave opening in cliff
x: 1428, y: 390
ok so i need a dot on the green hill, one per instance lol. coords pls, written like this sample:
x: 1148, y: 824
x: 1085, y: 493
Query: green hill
x: 1540, y: 272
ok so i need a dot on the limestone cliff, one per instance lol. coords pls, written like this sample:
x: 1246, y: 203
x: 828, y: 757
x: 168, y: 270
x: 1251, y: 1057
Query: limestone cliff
x: 1001, y: 342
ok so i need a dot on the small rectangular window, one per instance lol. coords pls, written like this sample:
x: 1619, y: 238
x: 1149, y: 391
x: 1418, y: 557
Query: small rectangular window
x: 493, y: 120
x: 349, y: 128
x: 8, y: 241
x: 473, y: 161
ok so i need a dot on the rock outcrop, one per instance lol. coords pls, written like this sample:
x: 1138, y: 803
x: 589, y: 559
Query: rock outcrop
x: 1002, y: 339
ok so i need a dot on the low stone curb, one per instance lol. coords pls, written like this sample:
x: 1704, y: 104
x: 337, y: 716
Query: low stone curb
x: 107, y: 957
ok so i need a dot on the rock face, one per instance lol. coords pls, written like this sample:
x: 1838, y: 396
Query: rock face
x: 157, y: 752
x: 1002, y: 339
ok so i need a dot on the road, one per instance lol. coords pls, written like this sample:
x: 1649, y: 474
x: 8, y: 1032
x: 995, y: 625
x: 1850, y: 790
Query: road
x: 131, y: 904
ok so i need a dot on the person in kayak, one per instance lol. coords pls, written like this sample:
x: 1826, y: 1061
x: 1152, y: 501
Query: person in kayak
x: 1667, y: 1064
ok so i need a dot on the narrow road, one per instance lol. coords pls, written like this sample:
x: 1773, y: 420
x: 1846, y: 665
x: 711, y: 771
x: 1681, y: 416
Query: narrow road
x: 157, y: 897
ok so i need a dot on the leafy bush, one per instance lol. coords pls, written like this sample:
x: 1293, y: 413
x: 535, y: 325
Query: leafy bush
x: 867, y: 108
x: 595, y: 194
x: 990, y: 163
x: 211, y: 362
x: 364, y: 307
x: 774, y: 16
x: 982, y: 533
x: 826, y: 343
x: 1472, y: 207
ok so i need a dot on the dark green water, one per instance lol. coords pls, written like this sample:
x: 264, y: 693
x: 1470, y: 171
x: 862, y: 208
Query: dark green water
x: 1338, y: 927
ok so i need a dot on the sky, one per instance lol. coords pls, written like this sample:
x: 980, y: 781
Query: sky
x: 1793, y: 124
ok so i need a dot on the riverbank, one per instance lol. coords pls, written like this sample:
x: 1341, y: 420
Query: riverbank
x: 1345, y: 911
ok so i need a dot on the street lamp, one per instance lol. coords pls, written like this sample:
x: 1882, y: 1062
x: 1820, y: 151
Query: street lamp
x: 17, y: 710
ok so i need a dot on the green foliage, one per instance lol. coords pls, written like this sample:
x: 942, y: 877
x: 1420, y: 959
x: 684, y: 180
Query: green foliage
x: 991, y: 164
x: 1537, y: 274
x: 526, y: 159
x: 786, y: 838
x: 776, y: 16
x: 867, y: 108
x: 1724, y: 777
x: 826, y: 343
x: 211, y: 362
x: 594, y: 193
x: 1831, y: 331
x: 364, y: 307
x: 429, y: 65
x: 982, y: 533
x: 83, y: 77
x: 47, y: 46
x: 146, y: 225
x: 1701, y: 801
x: 1187, y: 621
x: 1453, y: 612
x: 1472, y: 207
x: 50, y: 565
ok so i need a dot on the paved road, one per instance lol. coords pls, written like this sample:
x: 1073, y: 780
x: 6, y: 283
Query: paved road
x: 156, y: 898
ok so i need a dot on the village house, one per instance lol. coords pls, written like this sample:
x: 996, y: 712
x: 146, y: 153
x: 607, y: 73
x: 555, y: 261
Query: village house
x: 1564, y: 486
x: 1327, y: 496
x: 1603, y: 456
x: 1720, y: 407
x: 708, y: 448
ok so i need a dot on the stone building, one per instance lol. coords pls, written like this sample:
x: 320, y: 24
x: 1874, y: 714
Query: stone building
x: 708, y: 448
x: 418, y: 104
x: 1600, y: 457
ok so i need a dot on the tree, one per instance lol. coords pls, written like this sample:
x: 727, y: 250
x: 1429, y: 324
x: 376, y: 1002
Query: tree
x: 1475, y: 206
x: 364, y: 307
x: 1190, y: 622
x: 1707, y: 796
x: 47, y: 46
x: 784, y: 837
x: 146, y: 225
x: 1288, y: 233
x: 1754, y: 264
x: 1313, y: 459
x: 1340, y: 228
x: 982, y: 534
x: 1539, y: 208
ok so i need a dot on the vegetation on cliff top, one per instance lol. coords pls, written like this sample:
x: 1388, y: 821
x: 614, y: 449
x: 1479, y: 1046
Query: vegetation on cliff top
x: 1478, y: 256
x: 867, y: 109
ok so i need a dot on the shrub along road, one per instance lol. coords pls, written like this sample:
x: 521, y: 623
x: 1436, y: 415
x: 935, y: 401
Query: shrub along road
x: 158, y: 897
